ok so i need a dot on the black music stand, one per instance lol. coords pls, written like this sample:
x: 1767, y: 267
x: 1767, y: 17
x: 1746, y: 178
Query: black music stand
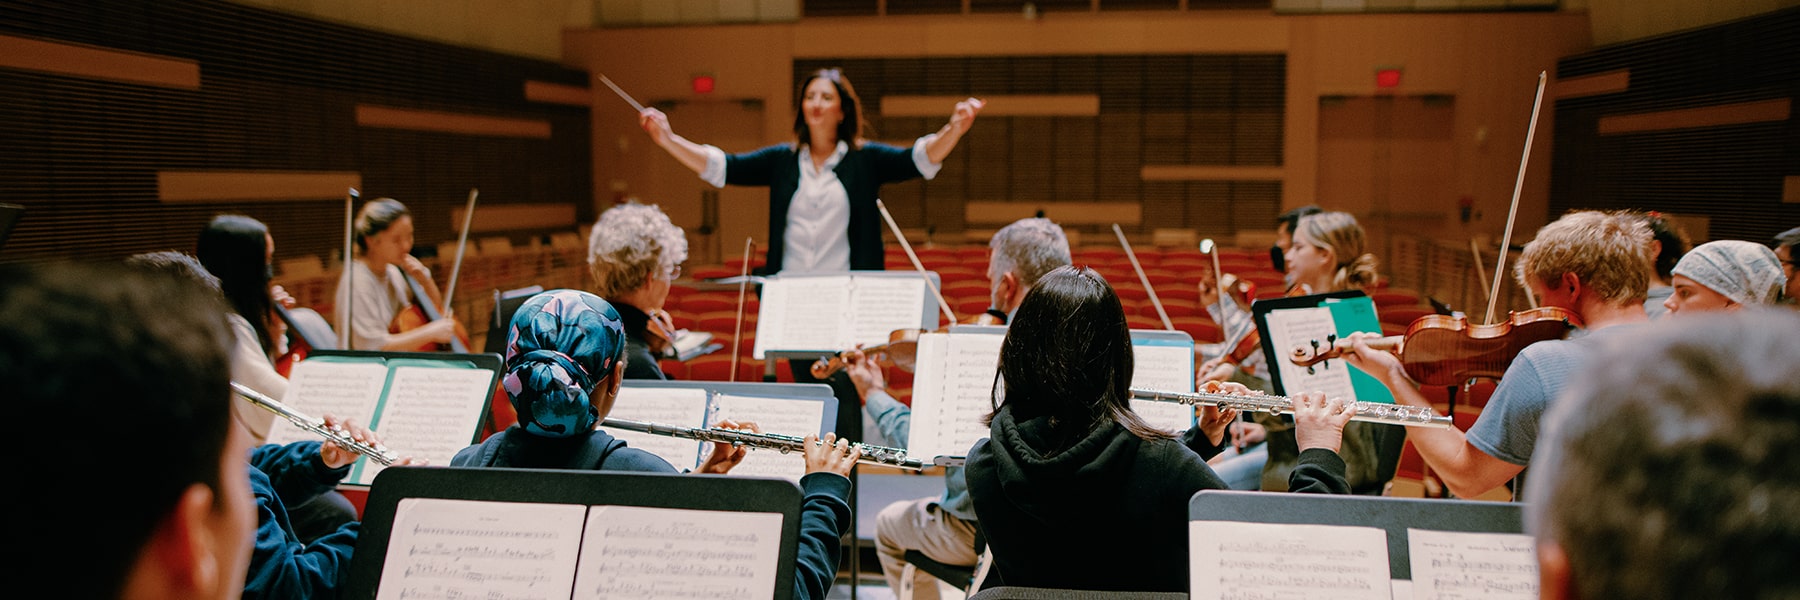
x: 505, y: 305
x: 488, y: 362
x: 591, y: 488
x: 1395, y: 515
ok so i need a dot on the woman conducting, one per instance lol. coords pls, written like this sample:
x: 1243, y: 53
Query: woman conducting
x: 822, y: 186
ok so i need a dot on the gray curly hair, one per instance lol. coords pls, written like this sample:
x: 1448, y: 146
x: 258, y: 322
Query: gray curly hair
x: 630, y: 244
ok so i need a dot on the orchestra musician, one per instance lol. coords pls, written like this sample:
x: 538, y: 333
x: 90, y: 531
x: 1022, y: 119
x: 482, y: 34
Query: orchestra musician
x: 822, y: 186
x: 1785, y: 251
x: 565, y: 362
x: 150, y: 498
x: 1069, y: 466
x: 1668, y: 243
x: 944, y: 527
x: 1325, y: 255
x: 305, y: 531
x: 1658, y: 476
x: 1725, y: 275
x: 383, y: 232
x: 238, y: 250
x: 1589, y: 263
x: 634, y: 254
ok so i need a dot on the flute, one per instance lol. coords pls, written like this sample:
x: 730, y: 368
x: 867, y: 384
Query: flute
x: 1373, y: 412
x: 873, y: 455
x: 379, y: 454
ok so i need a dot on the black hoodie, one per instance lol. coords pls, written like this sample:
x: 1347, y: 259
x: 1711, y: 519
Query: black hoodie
x: 1108, y: 513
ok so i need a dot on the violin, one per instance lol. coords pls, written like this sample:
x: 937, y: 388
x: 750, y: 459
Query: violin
x: 660, y: 333
x: 901, y: 349
x: 1444, y: 350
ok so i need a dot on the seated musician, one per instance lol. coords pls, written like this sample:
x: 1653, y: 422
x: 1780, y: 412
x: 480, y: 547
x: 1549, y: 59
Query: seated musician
x: 288, y: 483
x: 227, y: 241
x: 1326, y: 254
x: 384, y: 239
x: 153, y: 499
x: 1725, y: 275
x: 1669, y: 473
x: 1787, y: 249
x: 1668, y: 242
x: 237, y: 251
x: 1590, y: 263
x: 1076, y: 491
x: 944, y: 527
x: 634, y: 253
x: 565, y: 361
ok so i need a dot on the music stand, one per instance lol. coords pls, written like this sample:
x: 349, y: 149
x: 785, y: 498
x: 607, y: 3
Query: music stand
x: 505, y: 305
x: 590, y: 488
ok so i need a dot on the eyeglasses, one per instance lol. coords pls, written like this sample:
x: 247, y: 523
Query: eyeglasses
x: 672, y: 272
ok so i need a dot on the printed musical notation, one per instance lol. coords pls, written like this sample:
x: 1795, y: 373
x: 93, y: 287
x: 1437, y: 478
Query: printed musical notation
x: 318, y: 387
x: 952, y: 391
x: 643, y: 552
x: 472, y: 549
x: 1449, y: 565
x: 429, y: 413
x: 1296, y: 327
x: 685, y: 407
x: 1252, y: 561
x: 835, y: 312
x: 1165, y: 367
x: 773, y: 415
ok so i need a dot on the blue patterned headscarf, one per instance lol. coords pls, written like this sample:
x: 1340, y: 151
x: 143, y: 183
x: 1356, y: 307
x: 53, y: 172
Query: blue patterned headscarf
x: 559, y: 344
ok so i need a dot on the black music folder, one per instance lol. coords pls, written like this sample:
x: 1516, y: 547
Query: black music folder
x: 478, y: 533
x: 1357, y: 546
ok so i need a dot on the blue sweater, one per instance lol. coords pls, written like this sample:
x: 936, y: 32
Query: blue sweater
x: 862, y: 171
x: 281, y: 566
x: 824, y: 509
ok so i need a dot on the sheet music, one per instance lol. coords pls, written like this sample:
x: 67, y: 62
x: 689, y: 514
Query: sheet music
x: 803, y: 313
x: 1163, y: 365
x: 430, y: 413
x: 1291, y: 328
x: 684, y: 407
x: 1236, y: 560
x: 784, y: 416
x: 880, y: 305
x: 642, y: 552
x: 470, y: 549
x: 1454, y: 565
x: 316, y: 387
x: 952, y: 392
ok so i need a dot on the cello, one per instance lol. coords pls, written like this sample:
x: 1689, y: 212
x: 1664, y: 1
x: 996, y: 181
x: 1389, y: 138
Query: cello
x: 422, y: 311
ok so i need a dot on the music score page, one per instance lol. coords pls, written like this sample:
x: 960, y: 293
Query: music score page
x: 1168, y: 366
x: 835, y: 312
x: 667, y: 406
x: 474, y: 549
x: 952, y: 391
x: 1454, y: 565
x: 1237, y: 560
x: 774, y: 415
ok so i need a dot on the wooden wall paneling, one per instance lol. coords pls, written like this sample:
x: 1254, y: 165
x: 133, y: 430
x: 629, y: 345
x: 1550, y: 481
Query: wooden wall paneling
x: 1076, y: 148
x: 1733, y: 172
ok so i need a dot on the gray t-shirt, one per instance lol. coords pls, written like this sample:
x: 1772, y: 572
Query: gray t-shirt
x: 1508, y: 426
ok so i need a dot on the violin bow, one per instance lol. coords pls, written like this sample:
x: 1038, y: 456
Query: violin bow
x: 349, y: 278
x: 1480, y: 273
x: 1518, y: 186
x: 461, y: 243
x: 1207, y: 246
x: 737, y: 331
x: 942, y: 304
x: 1144, y: 279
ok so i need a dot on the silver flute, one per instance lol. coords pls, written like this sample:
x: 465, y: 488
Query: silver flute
x: 379, y: 454
x: 872, y: 455
x: 1373, y: 412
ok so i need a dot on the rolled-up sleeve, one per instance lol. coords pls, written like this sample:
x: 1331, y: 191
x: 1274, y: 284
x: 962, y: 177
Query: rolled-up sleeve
x: 921, y: 159
x: 714, y: 173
